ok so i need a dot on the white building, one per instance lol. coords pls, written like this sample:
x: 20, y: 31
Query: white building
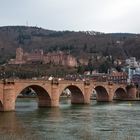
x: 132, y: 62
x: 132, y: 67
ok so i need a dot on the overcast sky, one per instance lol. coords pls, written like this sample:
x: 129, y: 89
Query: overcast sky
x: 96, y: 15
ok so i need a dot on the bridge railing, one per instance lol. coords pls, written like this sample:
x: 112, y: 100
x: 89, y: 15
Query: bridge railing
x: 7, y: 81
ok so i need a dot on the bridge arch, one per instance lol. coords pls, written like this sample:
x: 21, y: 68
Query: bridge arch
x: 101, y: 93
x: 76, y: 94
x: 1, y: 106
x: 120, y: 93
x: 44, y: 99
x: 93, y: 94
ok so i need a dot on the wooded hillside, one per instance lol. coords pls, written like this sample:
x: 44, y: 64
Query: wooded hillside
x: 79, y: 44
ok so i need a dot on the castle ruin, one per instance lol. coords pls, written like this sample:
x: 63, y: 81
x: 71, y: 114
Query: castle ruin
x: 38, y: 56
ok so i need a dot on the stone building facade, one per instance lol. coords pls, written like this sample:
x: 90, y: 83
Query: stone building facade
x: 38, y: 56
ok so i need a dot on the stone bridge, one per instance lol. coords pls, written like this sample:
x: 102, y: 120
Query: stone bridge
x: 49, y: 92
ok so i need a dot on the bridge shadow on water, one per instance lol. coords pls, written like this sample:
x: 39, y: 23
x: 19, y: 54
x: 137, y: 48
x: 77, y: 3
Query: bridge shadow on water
x: 97, y: 121
x: 12, y: 127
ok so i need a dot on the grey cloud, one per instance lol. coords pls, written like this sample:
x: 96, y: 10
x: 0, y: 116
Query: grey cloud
x: 99, y: 15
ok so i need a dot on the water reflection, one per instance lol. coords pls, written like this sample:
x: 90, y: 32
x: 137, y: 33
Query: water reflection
x: 9, y: 123
x: 99, y: 121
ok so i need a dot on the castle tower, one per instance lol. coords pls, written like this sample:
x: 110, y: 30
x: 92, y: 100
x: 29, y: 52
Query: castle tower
x: 19, y: 54
x: 71, y: 61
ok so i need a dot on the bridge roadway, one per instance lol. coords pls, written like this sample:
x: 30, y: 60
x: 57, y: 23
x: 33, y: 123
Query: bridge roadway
x: 49, y: 92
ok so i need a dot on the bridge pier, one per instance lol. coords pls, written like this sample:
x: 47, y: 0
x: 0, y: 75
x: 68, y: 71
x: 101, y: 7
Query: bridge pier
x: 131, y: 92
x: 55, y: 96
x: 8, y: 97
x: 105, y: 99
x: 42, y: 102
x: 87, y: 94
x: 77, y: 100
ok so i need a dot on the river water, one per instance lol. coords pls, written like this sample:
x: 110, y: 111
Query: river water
x: 97, y: 121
